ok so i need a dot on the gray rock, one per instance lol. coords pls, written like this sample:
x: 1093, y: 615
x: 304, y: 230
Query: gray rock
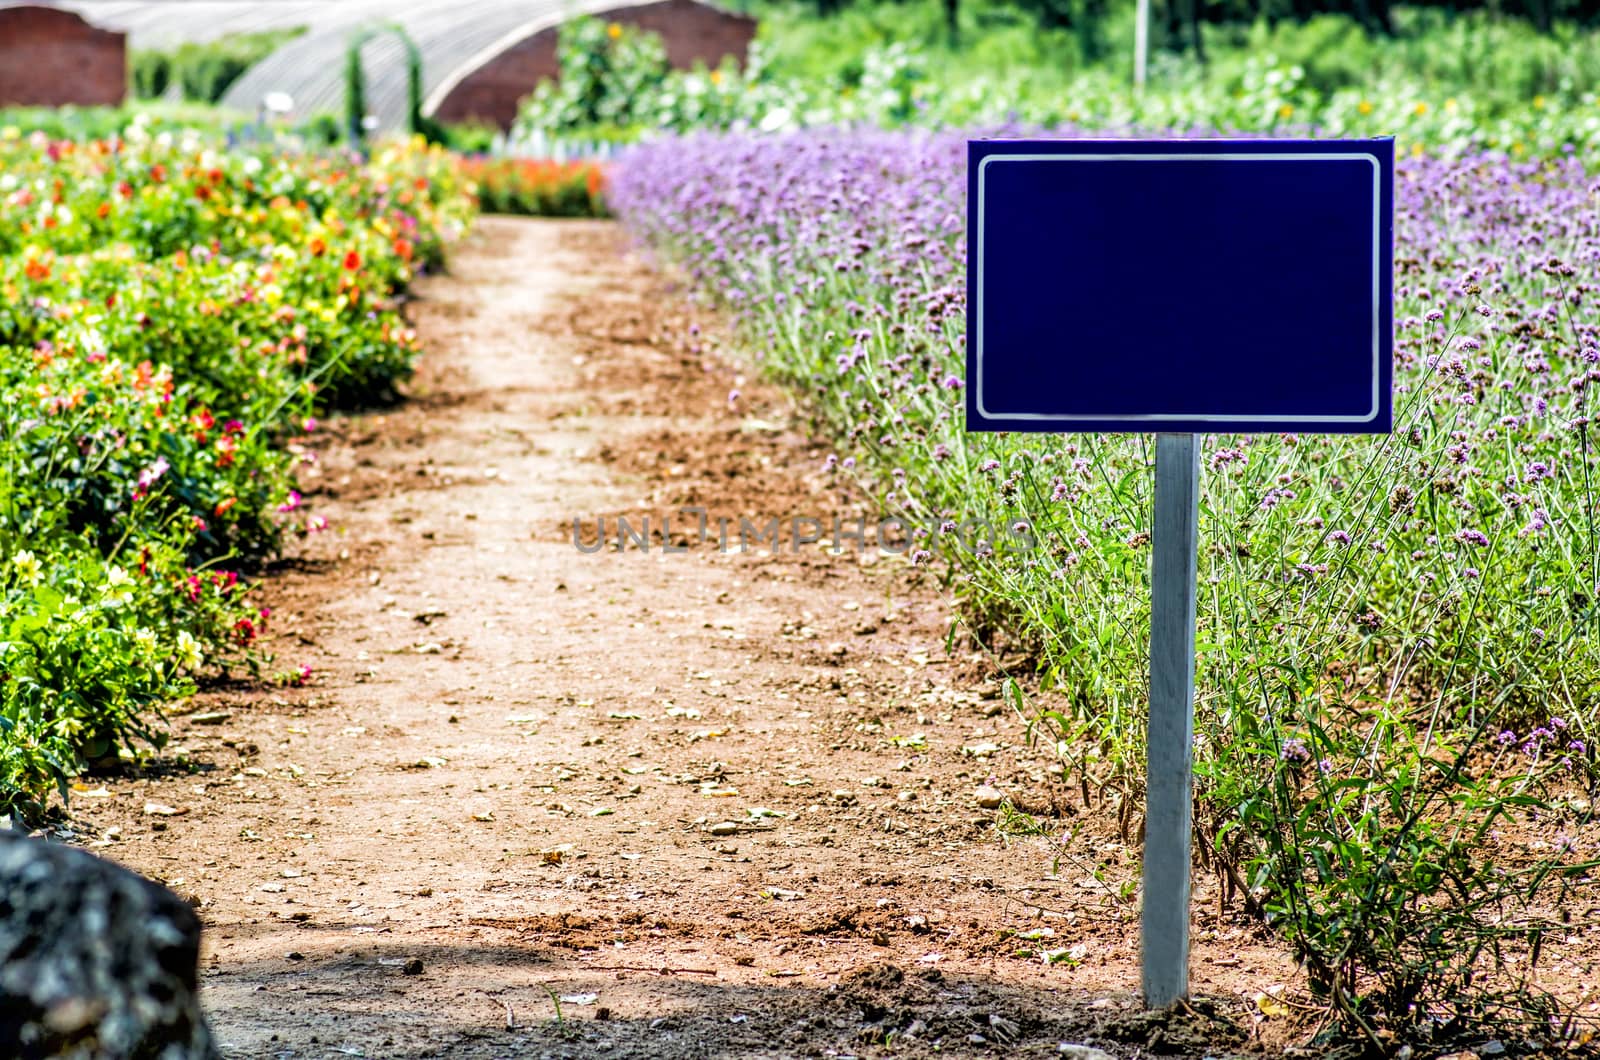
x: 989, y: 798
x: 1082, y: 1052
x: 96, y: 962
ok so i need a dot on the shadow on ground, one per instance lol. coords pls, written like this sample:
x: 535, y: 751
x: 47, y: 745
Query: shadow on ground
x: 503, y: 1001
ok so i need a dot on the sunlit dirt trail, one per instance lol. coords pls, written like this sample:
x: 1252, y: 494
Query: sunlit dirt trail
x: 702, y: 804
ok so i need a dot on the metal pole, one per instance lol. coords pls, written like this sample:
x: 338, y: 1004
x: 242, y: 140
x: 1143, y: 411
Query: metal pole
x: 1170, y: 745
x: 1141, y: 42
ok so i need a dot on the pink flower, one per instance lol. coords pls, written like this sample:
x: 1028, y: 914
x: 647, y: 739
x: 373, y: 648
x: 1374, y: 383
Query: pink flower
x: 149, y: 475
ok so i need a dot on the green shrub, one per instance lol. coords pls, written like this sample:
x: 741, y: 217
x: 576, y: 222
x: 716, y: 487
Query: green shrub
x: 150, y: 72
x: 470, y: 138
x: 609, y: 75
x: 206, y: 70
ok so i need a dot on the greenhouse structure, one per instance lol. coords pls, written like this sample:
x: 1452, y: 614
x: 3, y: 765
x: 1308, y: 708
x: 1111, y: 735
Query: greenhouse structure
x: 479, y: 57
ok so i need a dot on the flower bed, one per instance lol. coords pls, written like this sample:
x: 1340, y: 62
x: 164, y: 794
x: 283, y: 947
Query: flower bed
x: 1395, y: 640
x: 171, y: 316
x: 537, y: 187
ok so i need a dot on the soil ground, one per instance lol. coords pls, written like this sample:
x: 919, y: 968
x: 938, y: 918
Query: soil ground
x: 699, y: 803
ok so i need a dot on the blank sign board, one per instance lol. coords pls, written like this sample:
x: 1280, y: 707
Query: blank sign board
x: 1181, y: 286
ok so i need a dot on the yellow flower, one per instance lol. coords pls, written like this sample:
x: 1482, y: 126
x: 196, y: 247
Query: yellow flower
x: 1286, y: 111
x: 1364, y: 107
x: 1538, y: 102
x: 188, y: 653
x: 614, y: 31
x: 716, y: 77
x: 118, y: 588
x: 1420, y: 109
x: 27, y: 565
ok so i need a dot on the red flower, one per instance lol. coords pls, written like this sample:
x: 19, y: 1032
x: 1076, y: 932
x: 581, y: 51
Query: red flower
x: 352, y: 261
x: 222, y: 509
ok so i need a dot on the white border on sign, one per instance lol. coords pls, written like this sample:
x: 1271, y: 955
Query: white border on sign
x: 1228, y: 156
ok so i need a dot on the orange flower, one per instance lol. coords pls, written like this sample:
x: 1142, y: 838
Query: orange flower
x: 222, y: 509
x: 402, y: 248
x: 318, y: 247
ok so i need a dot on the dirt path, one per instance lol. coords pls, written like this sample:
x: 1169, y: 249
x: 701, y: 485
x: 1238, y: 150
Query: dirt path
x: 505, y: 783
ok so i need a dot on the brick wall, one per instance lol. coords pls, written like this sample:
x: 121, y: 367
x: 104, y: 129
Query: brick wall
x: 49, y: 57
x: 691, y: 32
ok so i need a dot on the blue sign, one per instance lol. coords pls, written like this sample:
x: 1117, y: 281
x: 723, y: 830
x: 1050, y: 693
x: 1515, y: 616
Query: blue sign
x: 1191, y: 286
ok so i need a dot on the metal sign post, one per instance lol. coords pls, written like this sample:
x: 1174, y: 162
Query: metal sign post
x: 1169, y: 793
x: 1178, y: 287
x: 1141, y: 42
